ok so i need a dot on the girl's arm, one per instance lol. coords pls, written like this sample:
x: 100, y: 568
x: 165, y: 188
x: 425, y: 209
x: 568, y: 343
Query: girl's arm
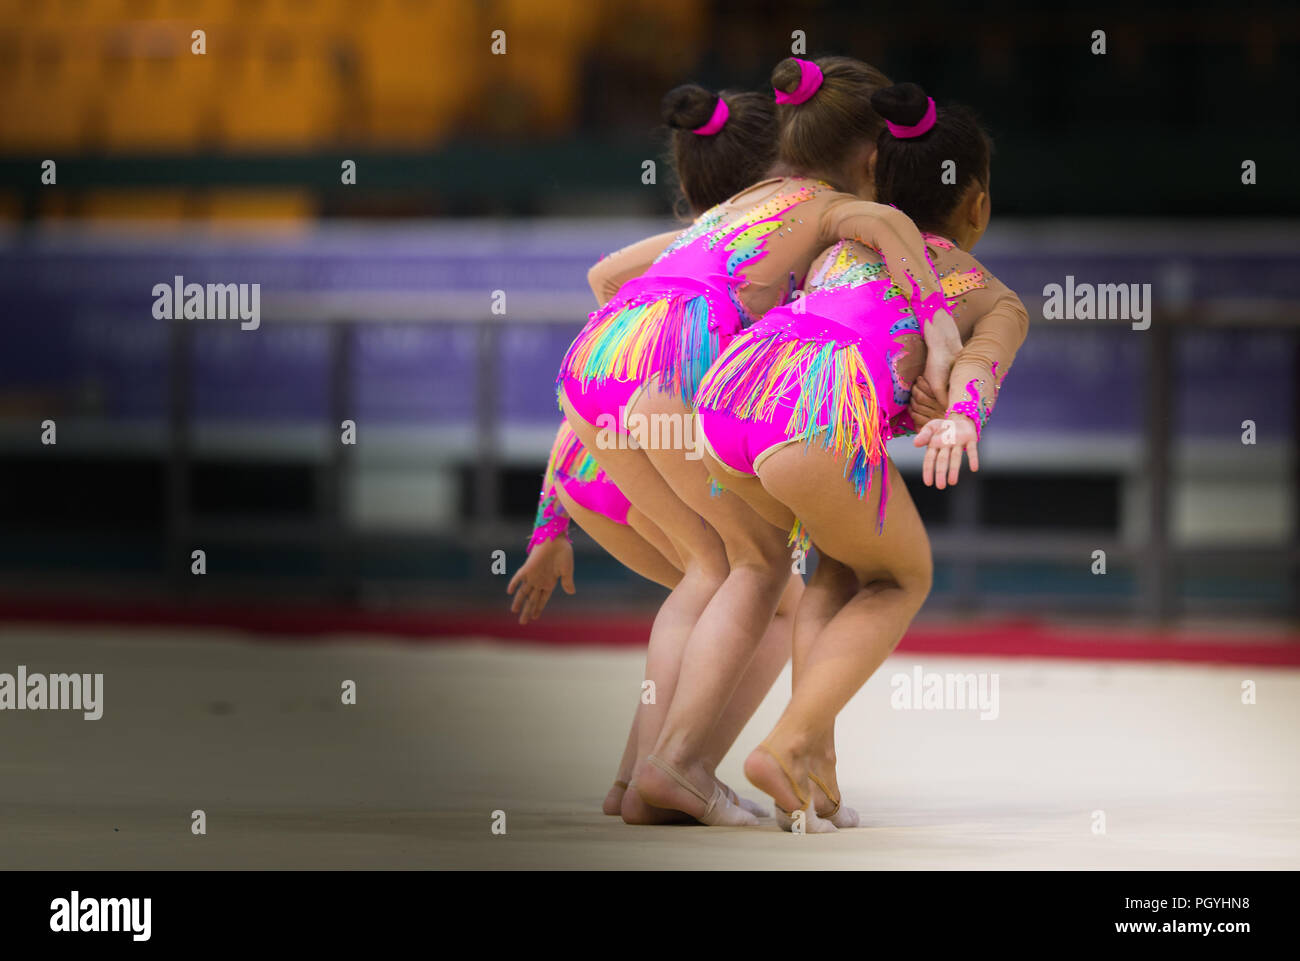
x: 986, y: 357
x: 550, y: 553
x: 890, y: 231
x: 552, y: 519
x: 951, y: 408
x: 995, y: 322
x: 942, y: 345
x: 550, y: 559
x: 614, y: 270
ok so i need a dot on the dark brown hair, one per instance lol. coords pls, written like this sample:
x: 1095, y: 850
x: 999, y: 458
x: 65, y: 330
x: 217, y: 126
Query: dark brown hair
x: 909, y: 171
x: 819, y: 134
x: 710, y: 168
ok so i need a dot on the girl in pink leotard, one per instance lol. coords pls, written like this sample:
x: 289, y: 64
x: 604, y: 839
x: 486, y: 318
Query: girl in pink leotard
x: 644, y: 354
x: 719, y: 144
x: 796, y: 415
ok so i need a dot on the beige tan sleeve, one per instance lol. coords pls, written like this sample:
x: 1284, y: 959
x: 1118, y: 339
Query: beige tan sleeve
x: 610, y: 273
x: 889, y: 231
x: 993, y: 324
x: 1001, y: 326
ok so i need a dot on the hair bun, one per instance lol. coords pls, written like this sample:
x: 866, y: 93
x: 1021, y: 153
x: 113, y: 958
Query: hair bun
x: 688, y: 106
x: 787, y: 75
x: 904, y: 104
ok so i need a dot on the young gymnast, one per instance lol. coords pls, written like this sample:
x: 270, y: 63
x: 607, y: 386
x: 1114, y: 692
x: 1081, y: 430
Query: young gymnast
x: 797, y: 413
x: 719, y: 144
x: 644, y: 353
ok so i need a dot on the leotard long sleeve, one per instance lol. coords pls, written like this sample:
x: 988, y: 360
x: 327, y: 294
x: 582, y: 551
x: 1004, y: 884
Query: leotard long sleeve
x: 993, y: 324
x: 990, y: 319
x: 611, y: 272
x: 773, y: 262
x: 552, y: 519
x: 824, y: 216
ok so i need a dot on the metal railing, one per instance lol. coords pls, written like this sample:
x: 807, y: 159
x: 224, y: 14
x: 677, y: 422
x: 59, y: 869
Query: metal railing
x: 430, y: 284
x: 964, y: 544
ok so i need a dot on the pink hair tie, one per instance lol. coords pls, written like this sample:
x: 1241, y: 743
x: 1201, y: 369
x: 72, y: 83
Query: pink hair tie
x: 810, y: 80
x: 716, y: 122
x: 903, y: 132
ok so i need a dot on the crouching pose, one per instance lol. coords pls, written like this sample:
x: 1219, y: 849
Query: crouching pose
x: 797, y: 411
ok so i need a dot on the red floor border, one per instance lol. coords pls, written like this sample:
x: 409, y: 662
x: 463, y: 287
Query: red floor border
x: 1005, y: 638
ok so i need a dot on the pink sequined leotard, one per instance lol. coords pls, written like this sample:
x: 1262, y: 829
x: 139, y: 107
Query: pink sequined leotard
x: 737, y: 261
x: 836, y: 367
x: 574, y: 470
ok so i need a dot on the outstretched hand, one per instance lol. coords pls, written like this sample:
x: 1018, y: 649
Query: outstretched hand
x: 946, y: 438
x: 550, y: 561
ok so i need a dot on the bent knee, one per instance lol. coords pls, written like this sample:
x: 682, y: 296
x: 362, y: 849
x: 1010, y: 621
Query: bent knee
x: 918, y: 580
x: 911, y: 584
x: 708, y: 570
x: 772, y: 574
x: 757, y: 544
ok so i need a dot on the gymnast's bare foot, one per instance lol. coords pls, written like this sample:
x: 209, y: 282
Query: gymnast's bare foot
x: 613, y: 805
x: 691, y: 789
x: 636, y: 811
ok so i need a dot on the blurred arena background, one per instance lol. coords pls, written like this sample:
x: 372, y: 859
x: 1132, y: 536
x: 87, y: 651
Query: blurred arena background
x: 477, y: 173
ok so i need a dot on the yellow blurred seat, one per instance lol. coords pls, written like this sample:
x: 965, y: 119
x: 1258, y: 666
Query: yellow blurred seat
x: 133, y: 204
x: 541, y: 69
x: 257, y: 205
x: 284, y: 94
x: 44, y: 92
x: 420, y: 63
x: 154, y: 99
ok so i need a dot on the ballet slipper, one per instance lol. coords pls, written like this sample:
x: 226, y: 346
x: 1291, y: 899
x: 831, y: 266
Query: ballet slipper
x: 840, y: 816
x: 812, y: 824
x: 718, y: 809
x: 753, y: 807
